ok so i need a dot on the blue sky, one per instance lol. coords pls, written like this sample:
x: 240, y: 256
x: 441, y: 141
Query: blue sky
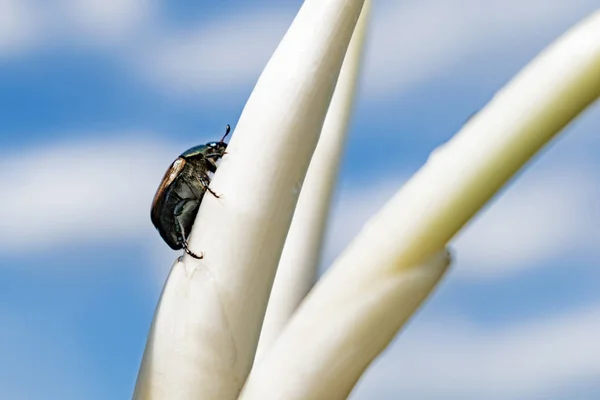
x: 98, y: 96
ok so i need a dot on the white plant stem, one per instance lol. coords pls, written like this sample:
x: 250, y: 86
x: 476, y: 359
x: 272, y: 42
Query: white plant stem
x: 206, y: 328
x: 358, y: 306
x: 337, y: 336
x: 300, y: 257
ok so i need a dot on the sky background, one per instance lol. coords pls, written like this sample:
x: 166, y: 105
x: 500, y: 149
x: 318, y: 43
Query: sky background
x: 97, y: 97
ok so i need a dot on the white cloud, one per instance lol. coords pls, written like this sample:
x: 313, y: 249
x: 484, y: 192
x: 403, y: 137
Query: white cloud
x: 106, y: 21
x: 27, y: 24
x: 86, y: 191
x: 19, y: 26
x: 546, y: 214
x: 411, y: 42
x: 540, y: 218
x: 451, y: 359
x: 222, y: 54
x: 414, y: 41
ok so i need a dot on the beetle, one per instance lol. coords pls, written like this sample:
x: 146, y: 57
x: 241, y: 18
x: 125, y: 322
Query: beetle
x: 181, y: 190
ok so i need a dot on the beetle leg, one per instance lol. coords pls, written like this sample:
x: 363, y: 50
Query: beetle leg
x: 212, y: 192
x: 187, y: 250
x: 205, y: 184
x: 185, y: 243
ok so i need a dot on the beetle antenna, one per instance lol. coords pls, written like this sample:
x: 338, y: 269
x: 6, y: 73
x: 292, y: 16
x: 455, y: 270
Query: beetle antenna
x: 227, y: 130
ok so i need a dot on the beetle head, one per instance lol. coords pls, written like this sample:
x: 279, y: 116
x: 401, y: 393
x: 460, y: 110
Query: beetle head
x: 218, y: 148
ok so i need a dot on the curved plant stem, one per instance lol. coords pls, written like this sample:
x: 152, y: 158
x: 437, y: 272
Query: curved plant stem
x: 301, y: 254
x: 354, y: 311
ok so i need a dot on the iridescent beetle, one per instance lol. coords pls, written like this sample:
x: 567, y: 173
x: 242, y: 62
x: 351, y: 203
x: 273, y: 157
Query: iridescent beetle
x: 178, y: 197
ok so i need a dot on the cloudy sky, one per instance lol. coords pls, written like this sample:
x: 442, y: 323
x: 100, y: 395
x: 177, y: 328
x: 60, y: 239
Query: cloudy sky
x: 98, y: 96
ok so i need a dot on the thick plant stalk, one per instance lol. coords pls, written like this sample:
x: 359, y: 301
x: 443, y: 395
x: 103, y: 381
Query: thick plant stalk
x: 359, y: 305
x: 301, y: 253
x: 206, y: 328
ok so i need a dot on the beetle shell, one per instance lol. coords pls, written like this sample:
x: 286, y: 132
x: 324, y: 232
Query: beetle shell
x: 181, y: 190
